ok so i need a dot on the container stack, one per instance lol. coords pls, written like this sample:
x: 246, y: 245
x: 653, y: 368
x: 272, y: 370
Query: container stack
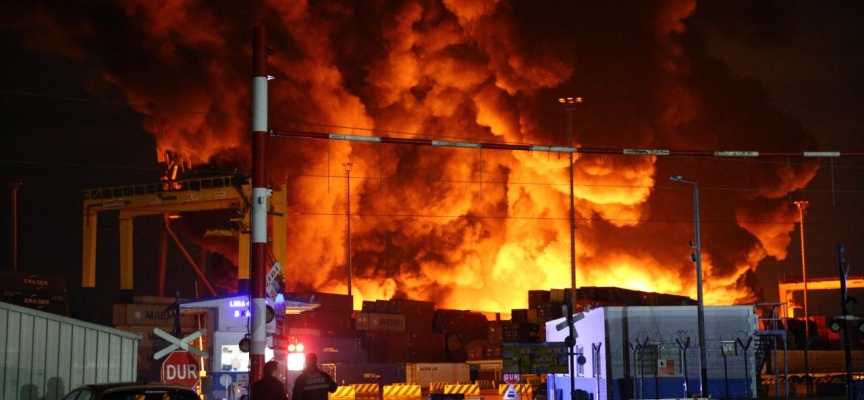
x: 459, y: 328
x: 546, y: 306
x: 36, y: 291
x: 399, y: 330
x: 480, y: 350
x: 520, y: 333
x: 331, y: 319
x: 626, y: 297
x: 334, y: 350
x: 424, y: 345
x: 495, y: 335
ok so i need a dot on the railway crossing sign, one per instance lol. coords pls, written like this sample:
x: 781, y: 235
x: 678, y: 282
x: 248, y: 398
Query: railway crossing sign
x: 179, y: 344
x: 180, y: 368
x: 512, y: 379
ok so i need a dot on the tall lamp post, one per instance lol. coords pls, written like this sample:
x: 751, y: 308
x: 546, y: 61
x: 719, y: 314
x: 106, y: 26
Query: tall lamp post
x: 700, y: 300
x: 802, y: 204
x: 570, y: 103
x: 348, y: 166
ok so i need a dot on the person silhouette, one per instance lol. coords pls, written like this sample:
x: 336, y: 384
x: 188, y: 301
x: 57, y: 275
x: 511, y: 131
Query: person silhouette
x: 28, y: 392
x: 269, y: 387
x: 313, y: 383
x: 54, y: 389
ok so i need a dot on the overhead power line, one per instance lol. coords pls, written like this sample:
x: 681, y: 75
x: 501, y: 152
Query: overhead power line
x: 561, y: 149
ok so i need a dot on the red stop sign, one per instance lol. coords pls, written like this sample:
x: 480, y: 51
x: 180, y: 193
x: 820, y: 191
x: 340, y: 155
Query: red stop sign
x: 181, y: 368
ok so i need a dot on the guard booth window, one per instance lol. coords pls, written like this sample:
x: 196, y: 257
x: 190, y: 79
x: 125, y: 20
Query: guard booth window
x: 660, y: 359
x: 648, y: 356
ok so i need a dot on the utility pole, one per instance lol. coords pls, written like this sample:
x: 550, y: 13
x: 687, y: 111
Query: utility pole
x: 570, y: 102
x: 802, y: 204
x: 844, y: 307
x: 259, y: 210
x: 348, y: 166
x: 700, y: 299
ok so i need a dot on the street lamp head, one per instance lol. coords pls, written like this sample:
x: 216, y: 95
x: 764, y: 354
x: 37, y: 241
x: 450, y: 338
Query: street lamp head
x: 678, y: 178
x: 569, y: 100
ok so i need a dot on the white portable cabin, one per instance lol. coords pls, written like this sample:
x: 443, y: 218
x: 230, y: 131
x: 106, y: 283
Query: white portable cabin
x: 653, y: 352
x: 44, y: 355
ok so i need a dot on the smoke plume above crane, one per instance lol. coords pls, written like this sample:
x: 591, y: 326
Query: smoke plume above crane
x: 465, y: 228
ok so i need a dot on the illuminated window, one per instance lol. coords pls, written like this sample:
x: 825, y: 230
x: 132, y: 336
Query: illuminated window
x: 234, y: 360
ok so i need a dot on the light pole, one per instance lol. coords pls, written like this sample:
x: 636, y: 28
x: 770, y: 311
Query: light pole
x: 700, y: 301
x: 802, y: 204
x: 348, y: 166
x: 570, y: 103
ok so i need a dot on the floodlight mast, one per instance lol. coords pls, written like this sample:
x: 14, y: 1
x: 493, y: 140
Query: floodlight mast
x: 700, y: 300
x: 570, y: 103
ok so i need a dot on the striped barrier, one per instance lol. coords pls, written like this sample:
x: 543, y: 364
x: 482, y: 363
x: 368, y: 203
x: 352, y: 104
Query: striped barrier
x: 470, y: 389
x: 361, y: 389
x: 342, y: 392
x: 817, y: 379
x: 485, y: 384
x: 401, y: 390
x: 520, y: 388
x: 437, y: 387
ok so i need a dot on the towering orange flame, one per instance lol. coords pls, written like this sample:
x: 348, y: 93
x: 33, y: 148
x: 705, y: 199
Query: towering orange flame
x: 469, y: 228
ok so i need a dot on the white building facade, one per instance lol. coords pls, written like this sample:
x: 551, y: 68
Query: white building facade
x: 653, y: 352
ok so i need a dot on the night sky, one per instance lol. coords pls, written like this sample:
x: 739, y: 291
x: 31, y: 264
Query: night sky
x: 92, y: 94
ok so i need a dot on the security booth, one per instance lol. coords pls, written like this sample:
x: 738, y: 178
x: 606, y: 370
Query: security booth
x: 228, y: 323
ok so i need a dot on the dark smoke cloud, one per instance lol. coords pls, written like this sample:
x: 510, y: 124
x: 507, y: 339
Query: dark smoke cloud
x: 464, y: 228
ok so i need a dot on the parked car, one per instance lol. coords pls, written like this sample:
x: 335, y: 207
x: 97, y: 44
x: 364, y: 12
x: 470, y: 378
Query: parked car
x: 132, y: 391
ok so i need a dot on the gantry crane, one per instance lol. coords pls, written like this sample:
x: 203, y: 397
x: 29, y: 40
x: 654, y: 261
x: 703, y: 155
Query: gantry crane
x: 174, y: 197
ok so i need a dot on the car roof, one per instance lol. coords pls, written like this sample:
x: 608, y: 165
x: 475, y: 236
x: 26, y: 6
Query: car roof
x: 107, y: 387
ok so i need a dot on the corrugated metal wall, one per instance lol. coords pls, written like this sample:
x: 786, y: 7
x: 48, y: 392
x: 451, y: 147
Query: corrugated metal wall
x: 44, y: 355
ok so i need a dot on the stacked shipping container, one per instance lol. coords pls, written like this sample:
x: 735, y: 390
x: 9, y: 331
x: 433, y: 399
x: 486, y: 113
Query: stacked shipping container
x: 460, y: 328
x: 333, y: 318
x: 36, y: 291
x: 399, y: 330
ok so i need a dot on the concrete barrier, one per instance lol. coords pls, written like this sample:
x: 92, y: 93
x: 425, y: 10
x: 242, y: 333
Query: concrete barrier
x: 485, y: 384
x: 401, y: 390
x: 437, y: 387
x: 468, y: 390
x: 342, y: 392
x: 520, y: 388
x: 366, y: 389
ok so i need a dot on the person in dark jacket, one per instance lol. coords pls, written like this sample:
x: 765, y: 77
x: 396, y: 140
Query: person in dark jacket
x: 313, y: 383
x: 269, y: 387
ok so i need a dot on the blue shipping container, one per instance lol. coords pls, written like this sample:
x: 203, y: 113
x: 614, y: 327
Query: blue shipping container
x: 382, y: 374
x: 333, y: 350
